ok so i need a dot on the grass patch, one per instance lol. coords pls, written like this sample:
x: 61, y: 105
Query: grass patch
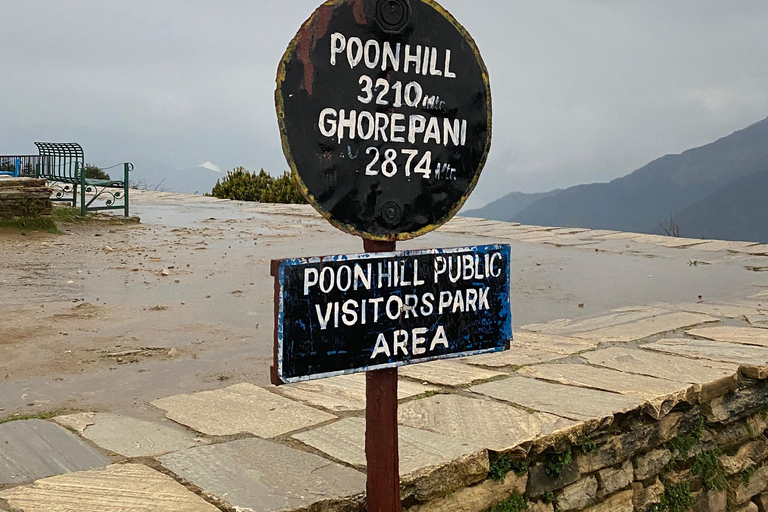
x: 676, y: 498
x: 45, y: 224
x: 747, y: 475
x: 682, y: 444
x: 46, y: 415
x: 515, y: 503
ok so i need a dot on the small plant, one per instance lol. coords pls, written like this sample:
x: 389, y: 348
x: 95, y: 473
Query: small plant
x: 676, y: 498
x: 499, y: 469
x: 515, y: 503
x: 707, y: 466
x: 682, y: 444
x: 588, y: 445
x: 556, y: 462
x: 547, y: 498
x: 747, y: 475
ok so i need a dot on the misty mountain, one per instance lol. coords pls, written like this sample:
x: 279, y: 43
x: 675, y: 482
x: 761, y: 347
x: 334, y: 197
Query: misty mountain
x: 194, y: 180
x: 665, y: 187
x: 739, y: 211
x: 507, y: 207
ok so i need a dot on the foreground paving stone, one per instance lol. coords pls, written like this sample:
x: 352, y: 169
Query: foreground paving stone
x: 724, y: 310
x: 128, y: 436
x: 430, y: 464
x: 758, y: 320
x: 662, y: 395
x: 518, y: 357
x: 710, y: 378
x: 743, y: 335
x: 34, y: 449
x: 344, y: 393
x: 567, y: 327
x: 552, y: 342
x: 647, y: 327
x: 242, y: 408
x: 753, y: 360
x: 566, y: 401
x: 254, y: 475
x: 493, y: 425
x: 448, y: 373
x: 117, y: 488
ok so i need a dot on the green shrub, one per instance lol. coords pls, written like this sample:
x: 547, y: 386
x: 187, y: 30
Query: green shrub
x: 95, y: 173
x: 243, y: 185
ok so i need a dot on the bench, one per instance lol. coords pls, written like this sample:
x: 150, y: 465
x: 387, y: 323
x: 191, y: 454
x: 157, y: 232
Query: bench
x: 63, y: 165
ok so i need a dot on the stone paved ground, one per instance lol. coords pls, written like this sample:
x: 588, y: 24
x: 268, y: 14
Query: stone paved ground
x: 259, y: 448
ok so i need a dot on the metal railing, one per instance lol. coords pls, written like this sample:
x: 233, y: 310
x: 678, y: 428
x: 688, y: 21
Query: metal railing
x: 22, y: 165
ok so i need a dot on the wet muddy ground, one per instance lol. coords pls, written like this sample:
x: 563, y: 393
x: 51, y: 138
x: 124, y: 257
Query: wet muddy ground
x: 108, y: 317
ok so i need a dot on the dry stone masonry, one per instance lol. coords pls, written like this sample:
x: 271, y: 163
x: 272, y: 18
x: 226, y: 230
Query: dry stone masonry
x: 24, y: 197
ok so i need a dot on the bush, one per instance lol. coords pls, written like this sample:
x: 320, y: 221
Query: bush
x: 242, y: 185
x: 95, y: 173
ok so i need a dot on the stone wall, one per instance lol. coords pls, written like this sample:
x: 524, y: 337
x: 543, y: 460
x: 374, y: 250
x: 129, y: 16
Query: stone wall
x: 24, y: 197
x: 708, y: 456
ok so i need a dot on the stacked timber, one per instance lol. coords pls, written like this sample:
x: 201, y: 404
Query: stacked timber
x: 24, y: 197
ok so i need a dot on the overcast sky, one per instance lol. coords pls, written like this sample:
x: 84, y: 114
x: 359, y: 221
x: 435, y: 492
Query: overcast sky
x: 583, y: 90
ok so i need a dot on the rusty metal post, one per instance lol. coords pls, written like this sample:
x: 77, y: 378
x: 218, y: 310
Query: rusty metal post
x: 381, y: 441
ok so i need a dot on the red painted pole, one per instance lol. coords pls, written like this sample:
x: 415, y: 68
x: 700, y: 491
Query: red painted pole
x: 381, y: 442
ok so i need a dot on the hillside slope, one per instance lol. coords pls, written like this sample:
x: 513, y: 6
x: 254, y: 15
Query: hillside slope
x: 664, y: 187
x: 507, y: 207
x: 738, y: 211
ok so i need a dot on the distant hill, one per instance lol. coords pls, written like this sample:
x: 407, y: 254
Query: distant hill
x: 507, y: 207
x: 738, y: 211
x: 665, y: 187
x: 195, y: 180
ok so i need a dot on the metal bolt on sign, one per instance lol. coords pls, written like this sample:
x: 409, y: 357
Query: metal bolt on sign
x: 384, y: 108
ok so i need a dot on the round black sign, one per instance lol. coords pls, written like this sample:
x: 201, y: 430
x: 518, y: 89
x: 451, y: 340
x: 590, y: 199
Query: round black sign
x: 385, y: 115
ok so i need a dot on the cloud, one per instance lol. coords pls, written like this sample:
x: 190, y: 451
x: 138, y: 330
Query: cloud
x: 211, y: 166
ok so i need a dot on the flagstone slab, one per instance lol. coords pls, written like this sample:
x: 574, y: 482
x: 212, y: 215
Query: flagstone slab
x: 722, y: 310
x: 254, y: 475
x: 448, y: 373
x: 34, y: 449
x: 758, y: 320
x: 724, y: 245
x: 662, y: 395
x: 568, y: 327
x: 753, y: 360
x: 482, y: 422
x: 418, y: 449
x: 517, y: 356
x: 345, y: 392
x: 710, y: 378
x: 755, y: 250
x: 569, y: 402
x: 117, y: 488
x: 647, y: 327
x: 552, y: 342
x: 242, y: 408
x: 128, y: 436
x: 728, y: 334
